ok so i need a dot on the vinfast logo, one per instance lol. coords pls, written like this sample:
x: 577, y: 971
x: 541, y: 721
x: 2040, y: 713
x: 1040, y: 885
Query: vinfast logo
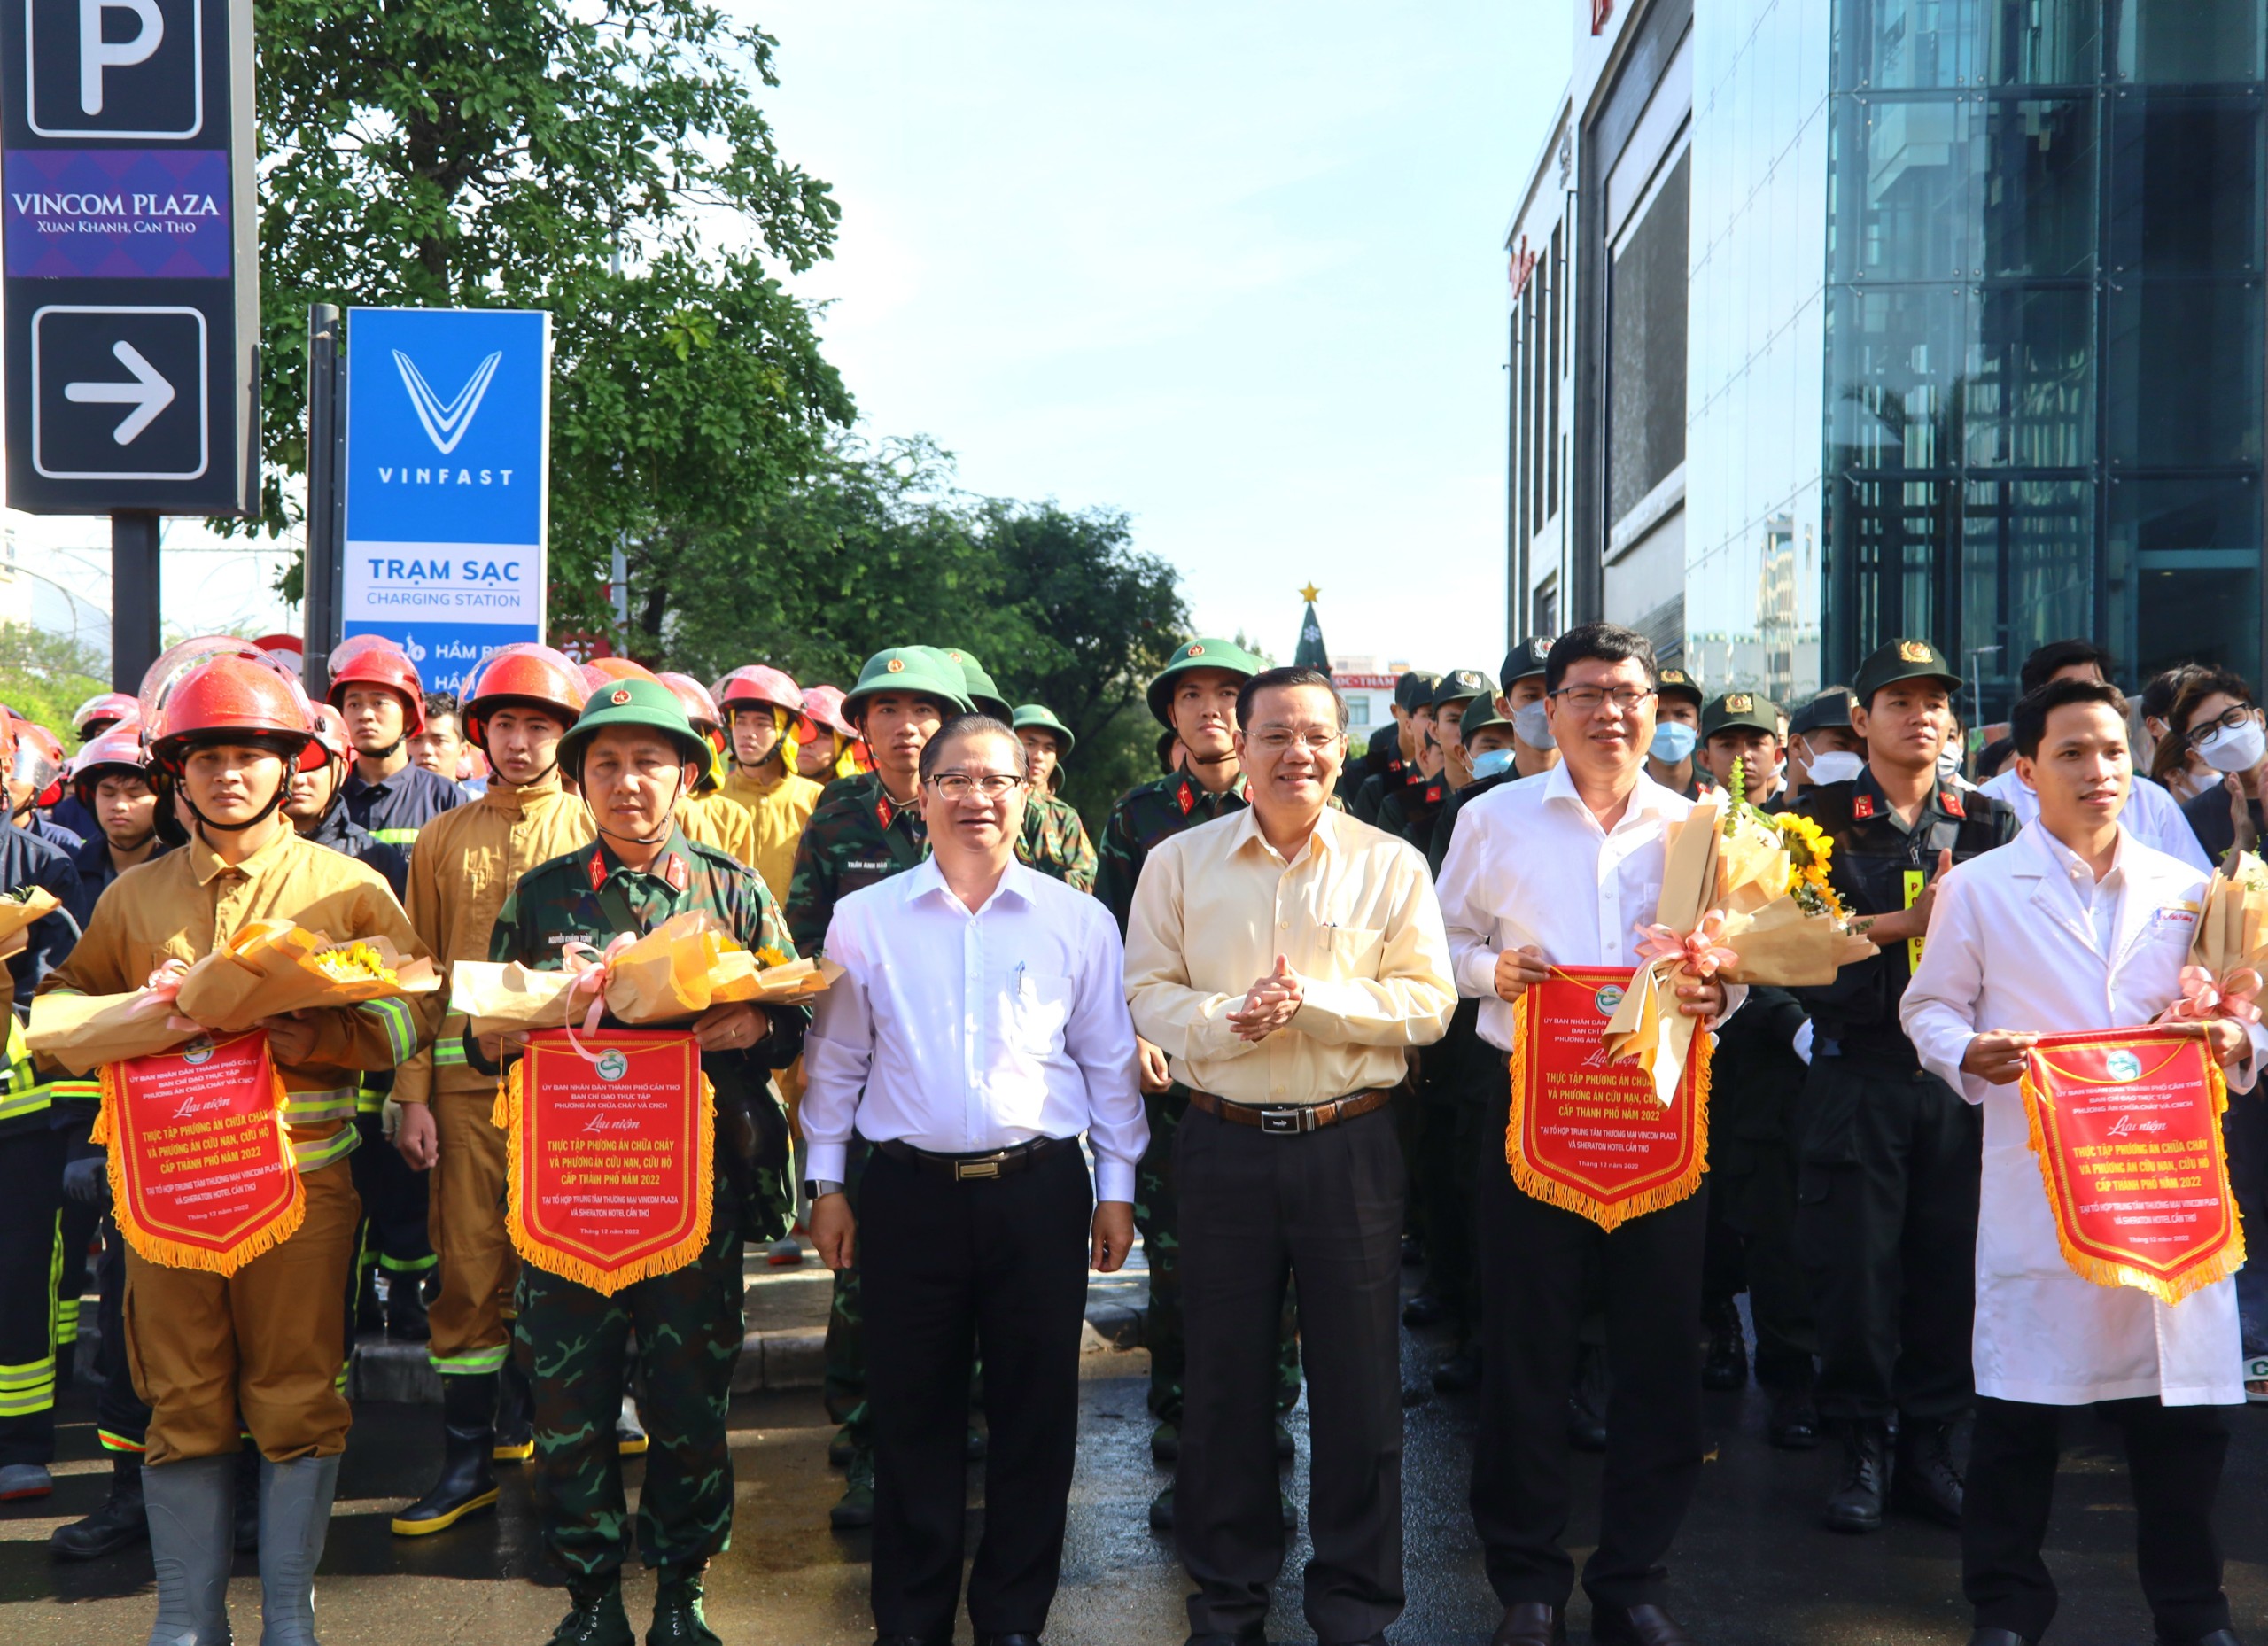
x: 446, y: 425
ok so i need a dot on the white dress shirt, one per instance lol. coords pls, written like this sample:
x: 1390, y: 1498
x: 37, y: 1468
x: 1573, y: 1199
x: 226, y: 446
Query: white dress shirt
x: 960, y: 1033
x: 2152, y: 816
x: 2026, y: 939
x: 1529, y: 864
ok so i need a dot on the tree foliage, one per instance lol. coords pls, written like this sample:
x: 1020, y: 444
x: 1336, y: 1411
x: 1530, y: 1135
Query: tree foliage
x: 44, y: 677
x: 606, y: 162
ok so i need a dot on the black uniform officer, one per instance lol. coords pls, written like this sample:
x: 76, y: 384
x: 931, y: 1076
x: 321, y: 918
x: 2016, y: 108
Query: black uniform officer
x: 1413, y: 697
x: 1677, y: 734
x: 1410, y: 811
x: 1887, y: 1169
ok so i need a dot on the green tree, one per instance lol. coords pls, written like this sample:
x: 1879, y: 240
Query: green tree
x: 45, y: 677
x: 606, y: 162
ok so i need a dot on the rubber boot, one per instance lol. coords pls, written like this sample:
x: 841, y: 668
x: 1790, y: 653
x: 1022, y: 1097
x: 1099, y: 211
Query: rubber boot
x: 629, y: 1432
x: 677, y: 1617
x: 595, y: 1617
x: 514, y: 1442
x: 468, y: 1481
x: 294, y: 1519
x: 122, y: 1519
x: 191, y: 1510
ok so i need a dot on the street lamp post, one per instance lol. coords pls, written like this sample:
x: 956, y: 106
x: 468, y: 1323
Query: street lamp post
x: 1976, y: 685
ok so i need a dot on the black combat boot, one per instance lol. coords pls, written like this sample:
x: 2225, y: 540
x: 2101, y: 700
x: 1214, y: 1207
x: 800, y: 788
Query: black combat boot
x: 122, y: 1519
x: 1857, y: 1500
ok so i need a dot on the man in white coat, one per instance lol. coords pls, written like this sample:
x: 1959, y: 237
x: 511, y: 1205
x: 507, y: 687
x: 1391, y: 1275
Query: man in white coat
x: 2077, y: 925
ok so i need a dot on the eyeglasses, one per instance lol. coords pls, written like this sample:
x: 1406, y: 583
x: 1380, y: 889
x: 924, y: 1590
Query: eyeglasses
x: 1278, y: 741
x: 1586, y: 699
x: 2228, y: 719
x: 990, y: 786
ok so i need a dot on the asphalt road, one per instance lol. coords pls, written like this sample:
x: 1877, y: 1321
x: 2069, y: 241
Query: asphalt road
x: 1753, y: 1568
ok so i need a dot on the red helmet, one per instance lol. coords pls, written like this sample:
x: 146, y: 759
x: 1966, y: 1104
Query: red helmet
x: 605, y: 671
x: 159, y: 679
x: 700, y: 707
x: 330, y: 731
x: 755, y: 684
x: 527, y: 675
x: 824, y: 704
x: 117, y: 750
x: 238, y: 700
x: 102, y: 712
x: 40, y: 761
x: 373, y: 660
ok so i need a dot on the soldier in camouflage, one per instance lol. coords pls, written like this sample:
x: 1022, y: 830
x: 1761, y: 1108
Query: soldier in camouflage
x: 866, y: 829
x: 632, y: 755
x: 1194, y: 697
x: 1060, y: 846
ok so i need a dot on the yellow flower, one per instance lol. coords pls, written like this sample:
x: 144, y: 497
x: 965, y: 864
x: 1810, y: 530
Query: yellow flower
x: 771, y: 955
x: 351, y: 962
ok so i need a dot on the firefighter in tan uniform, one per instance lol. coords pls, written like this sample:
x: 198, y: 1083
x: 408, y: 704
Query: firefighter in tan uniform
x: 263, y: 1342
x: 467, y: 861
x: 767, y: 722
x: 707, y: 815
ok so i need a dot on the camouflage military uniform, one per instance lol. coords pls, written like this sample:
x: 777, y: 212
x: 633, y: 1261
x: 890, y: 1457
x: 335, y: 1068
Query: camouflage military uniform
x: 572, y: 1340
x: 1144, y: 816
x: 857, y: 836
x: 1054, y: 841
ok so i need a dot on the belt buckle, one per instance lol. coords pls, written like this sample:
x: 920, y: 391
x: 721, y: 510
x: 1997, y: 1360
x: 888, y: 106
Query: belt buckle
x: 965, y: 1171
x: 1283, y: 1121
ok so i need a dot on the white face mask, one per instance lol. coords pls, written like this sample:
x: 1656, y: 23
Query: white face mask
x: 2234, y: 747
x: 1531, y: 725
x: 1835, y: 765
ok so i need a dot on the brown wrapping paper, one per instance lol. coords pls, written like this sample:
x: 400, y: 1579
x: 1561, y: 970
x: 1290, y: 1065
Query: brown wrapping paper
x: 1781, y: 943
x: 82, y: 1032
x: 1647, y: 1025
x: 2232, y: 921
x: 18, y: 910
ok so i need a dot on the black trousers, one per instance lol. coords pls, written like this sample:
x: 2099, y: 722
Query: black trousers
x: 121, y: 1420
x: 1533, y: 1261
x: 1887, y: 1221
x: 394, y: 1199
x: 31, y: 1206
x: 1258, y: 1209
x: 1754, y: 1204
x: 949, y: 1270
x: 2173, y: 1458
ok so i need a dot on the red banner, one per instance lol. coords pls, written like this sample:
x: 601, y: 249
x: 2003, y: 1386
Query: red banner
x: 612, y: 1150
x: 200, y: 1165
x: 1587, y: 1135
x: 2127, y: 1126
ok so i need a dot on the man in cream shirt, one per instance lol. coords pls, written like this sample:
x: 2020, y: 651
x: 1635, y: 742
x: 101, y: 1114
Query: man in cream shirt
x: 1286, y: 959
x: 2076, y: 925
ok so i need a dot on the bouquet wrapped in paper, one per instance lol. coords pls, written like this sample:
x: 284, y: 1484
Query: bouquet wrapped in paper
x: 2230, y: 952
x: 674, y: 973
x: 20, y: 910
x: 266, y: 970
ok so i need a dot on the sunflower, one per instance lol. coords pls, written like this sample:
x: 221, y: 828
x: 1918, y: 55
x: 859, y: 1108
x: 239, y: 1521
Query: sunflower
x: 351, y: 962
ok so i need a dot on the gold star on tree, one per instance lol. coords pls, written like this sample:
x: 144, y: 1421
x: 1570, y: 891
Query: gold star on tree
x: 1309, y: 593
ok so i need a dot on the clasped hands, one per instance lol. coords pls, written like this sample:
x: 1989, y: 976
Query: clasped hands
x: 1270, y: 1003
x: 1518, y: 970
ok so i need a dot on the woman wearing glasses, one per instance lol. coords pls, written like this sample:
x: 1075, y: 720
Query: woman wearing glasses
x: 2216, y: 722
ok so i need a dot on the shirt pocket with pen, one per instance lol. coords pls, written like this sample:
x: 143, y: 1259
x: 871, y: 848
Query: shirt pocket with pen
x: 1038, y: 1009
x: 1353, y: 951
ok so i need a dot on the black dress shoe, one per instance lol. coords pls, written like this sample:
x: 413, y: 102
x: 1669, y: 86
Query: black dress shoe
x: 1007, y: 1640
x: 1998, y: 1637
x: 1637, y: 1626
x: 1531, y: 1622
x: 1726, y: 1366
x: 1926, y: 1482
x: 1855, y: 1505
x: 2218, y: 1637
x: 1793, y: 1425
x: 1460, y: 1372
x: 1424, y: 1309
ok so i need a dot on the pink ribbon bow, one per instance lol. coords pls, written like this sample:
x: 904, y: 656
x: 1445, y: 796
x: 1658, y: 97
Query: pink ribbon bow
x: 163, y: 987
x: 2204, y: 996
x: 1700, y: 951
x: 590, y: 966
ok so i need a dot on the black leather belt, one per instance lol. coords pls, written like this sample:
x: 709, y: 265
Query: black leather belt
x: 1290, y: 1119
x: 977, y: 1167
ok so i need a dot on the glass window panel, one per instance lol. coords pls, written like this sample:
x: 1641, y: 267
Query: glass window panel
x: 2027, y: 576
x: 2028, y: 399
x: 2038, y: 191
x: 1646, y: 310
x: 1896, y: 356
x: 1896, y: 536
x: 2040, y: 43
x: 2184, y: 186
x: 2187, y: 42
x: 2181, y: 373
x: 2169, y: 540
x: 1917, y: 42
x: 1915, y: 193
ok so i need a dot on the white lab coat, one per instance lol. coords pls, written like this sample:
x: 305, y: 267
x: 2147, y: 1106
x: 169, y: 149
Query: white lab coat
x: 2011, y: 947
x: 2152, y: 815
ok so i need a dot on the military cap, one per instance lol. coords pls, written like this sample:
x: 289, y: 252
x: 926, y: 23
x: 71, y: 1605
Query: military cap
x: 917, y: 670
x: 1414, y: 690
x: 1830, y: 710
x: 1677, y: 683
x: 1528, y: 657
x: 1732, y: 712
x: 646, y: 703
x: 1205, y: 652
x: 980, y: 689
x: 1903, y: 660
x: 1483, y: 713
x: 1461, y: 686
x: 1040, y: 716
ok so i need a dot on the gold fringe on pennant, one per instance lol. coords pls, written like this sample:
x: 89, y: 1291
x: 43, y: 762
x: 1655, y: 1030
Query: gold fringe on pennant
x: 1608, y: 1214
x: 511, y: 1096
x: 163, y: 1249
x: 2106, y: 1271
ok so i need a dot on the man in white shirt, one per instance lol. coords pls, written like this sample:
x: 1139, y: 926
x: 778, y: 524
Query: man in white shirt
x: 2075, y: 926
x: 1562, y: 869
x: 2153, y: 816
x: 979, y: 1026
x: 1285, y: 958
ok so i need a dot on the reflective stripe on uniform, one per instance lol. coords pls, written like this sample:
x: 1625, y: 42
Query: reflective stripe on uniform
x: 305, y: 1109
x: 14, y: 1105
x: 115, y: 1442
x: 312, y: 1154
x: 27, y: 1388
x: 76, y: 1090
x: 407, y: 1265
x: 449, y: 1050
x: 369, y: 1100
x: 467, y: 1365
x: 67, y: 1321
x: 401, y: 1031
x: 394, y: 836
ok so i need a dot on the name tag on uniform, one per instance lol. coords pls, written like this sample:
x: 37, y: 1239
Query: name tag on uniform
x: 2183, y: 915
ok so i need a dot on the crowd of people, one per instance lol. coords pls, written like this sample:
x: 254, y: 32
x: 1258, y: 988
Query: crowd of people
x: 1265, y: 1023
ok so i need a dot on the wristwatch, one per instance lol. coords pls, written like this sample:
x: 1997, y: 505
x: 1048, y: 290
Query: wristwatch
x: 814, y: 1187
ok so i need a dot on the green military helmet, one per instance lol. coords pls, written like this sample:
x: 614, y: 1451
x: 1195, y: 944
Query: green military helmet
x: 977, y: 686
x: 646, y: 703
x: 1039, y: 715
x: 917, y: 670
x: 1202, y: 653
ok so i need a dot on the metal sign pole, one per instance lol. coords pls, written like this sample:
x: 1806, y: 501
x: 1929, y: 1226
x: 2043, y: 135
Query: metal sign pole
x: 319, y: 571
x: 135, y: 639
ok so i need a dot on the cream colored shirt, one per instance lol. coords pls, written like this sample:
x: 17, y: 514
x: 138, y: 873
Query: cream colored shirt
x: 1355, y: 914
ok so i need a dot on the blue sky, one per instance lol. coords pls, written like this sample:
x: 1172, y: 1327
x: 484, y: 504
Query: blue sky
x: 1233, y: 266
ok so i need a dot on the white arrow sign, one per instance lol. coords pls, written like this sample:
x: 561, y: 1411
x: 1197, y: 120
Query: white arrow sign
x: 148, y: 394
